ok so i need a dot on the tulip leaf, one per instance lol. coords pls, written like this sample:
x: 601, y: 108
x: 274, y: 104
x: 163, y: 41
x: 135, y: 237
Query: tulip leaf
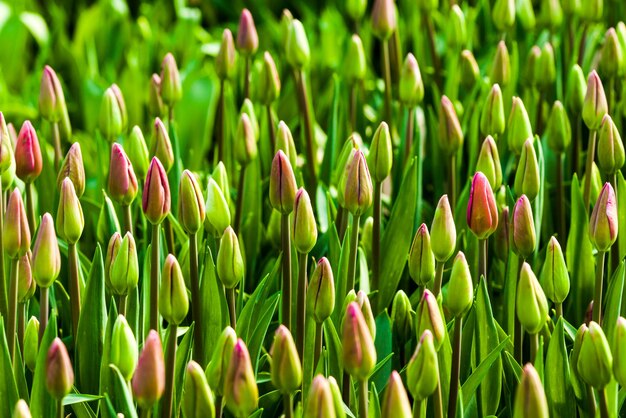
x: 262, y: 323
x: 75, y: 398
x: 374, y: 402
x: 106, y: 353
x: 183, y: 356
x: 334, y: 349
x: 613, y: 304
x: 340, y: 273
x: 19, y: 371
x: 557, y: 375
x: 213, y: 310
x: 42, y: 405
x: 309, y: 348
x: 119, y: 393
x: 471, y: 384
x: 8, y: 387
x: 383, y: 350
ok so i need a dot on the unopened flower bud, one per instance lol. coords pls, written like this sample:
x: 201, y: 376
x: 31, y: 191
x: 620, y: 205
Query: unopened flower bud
x: 611, y: 55
x: 355, y: 9
x: 526, y: 14
x: 26, y: 286
x: 519, y: 129
x: 123, y: 185
x: 241, y: 395
x: 46, y: 256
x: 524, y: 238
x: 270, y: 80
x: 297, y: 49
x: 162, y: 146
x: 492, y: 117
x: 554, y: 275
x: 191, y: 209
x: 229, y: 260
x: 16, y: 234
x: 551, y: 14
x: 355, y: 66
x: 226, y: 60
x: 558, y: 129
x: 70, y: 221
x: 171, y: 87
x: 527, y: 180
x: 123, y: 351
x: 603, y: 223
x: 156, y: 193
x: 422, y: 373
x: 366, y: 310
x: 217, y: 217
x: 531, y: 303
x: 421, y: 257
x: 610, y: 147
x: 148, y: 382
x: 245, y: 141
x: 247, y: 38
x: 173, y: 299
x: 21, y: 410
x: 380, y: 155
x: 51, y: 99
x: 282, y: 184
x: 31, y: 343
x: 450, y: 133
x: 319, y: 402
x: 456, y: 35
x: 619, y: 352
x: 218, y: 366
x: 503, y: 14
x: 571, y: 7
x: 402, y: 318
x: 59, y: 372
x: 28, y: 164
x: 384, y: 19
x: 7, y: 159
x: 576, y: 90
x: 197, y: 399
x: 121, y: 264
x: 532, y: 72
x: 111, y: 117
x: 482, y: 212
x: 411, y: 89
x: 443, y: 231
x: 304, y: 227
x: 530, y: 397
x: 546, y: 68
x: 358, y: 185
x: 73, y: 168
x: 349, y: 148
x: 460, y: 287
x: 595, y: 105
x: 468, y: 69
x: 501, y: 68
x: 359, y: 353
x: 138, y: 152
x: 395, y: 402
x: 489, y: 163
x: 321, y: 294
x: 595, y: 361
x: 285, y: 143
x: 286, y: 369
x: 155, y: 102
x: 428, y: 317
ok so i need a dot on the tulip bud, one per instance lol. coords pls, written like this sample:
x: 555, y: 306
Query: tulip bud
x: 21, y: 410
x: 492, y: 115
x: 501, y: 69
x: 217, y: 217
x: 171, y: 88
x: 70, y: 221
x: 380, y: 154
x: 443, y: 231
x: 558, y: 129
x: 248, y: 108
x: 191, y: 209
x: 349, y: 148
x: 269, y: 87
x: 619, y: 352
x: 26, y: 286
x: 591, y: 10
x: 121, y: 264
x: 286, y: 369
x: 108, y: 223
x: 122, y: 180
x: 229, y: 260
x: 149, y: 379
x: 355, y: 9
x: 138, y: 152
x: 7, y: 158
x: 501, y: 236
x: 428, y: 317
x: 284, y: 143
x: 28, y: 163
x: 156, y: 193
x: 402, y: 317
x: 532, y: 66
x: 596, y: 182
x: 527, y: 179
x: 460, y: 287
x: 396, y: 402
x: 51, y: 99
x: 59, y: 372
x: 595, y: 105
x: 197, y: 399
x: 552, y: 14
x: 220, y: 175
x: 456, y: 35
x: 503, y: 14
x: 245, y: 142
x: 450, y: 133
x: 603, y: 222
x: 123, y: 351
x: 321, y: 294
x: 247, y: 38
x: 530, y: 398
x: 366, y: 310
x: 155, y: 102
x: 482, y: 213
x: 226, y: 59
x: 31, y: 343
x: 73, y: 168
x: 111, y: 117
x: 421, y: 257
x: 218, y: 366
x: 174, y: 302
x: 595, y: 361
x: 297, y: 49
x: 531, y: 303
x: 519, y: 128
x: 16, y: 235
x: 411, y: 89
x: 523, y: 226
x: 422, y: 373
x: 554, y: 275
x: 526, y: 14
x: 319, y: 402
x: 46, y: 255
x: 358, y: 185
x: 359, y: 353
x: 304, y: 227
x: 468, y: 69
x: 355, y: 66
x: 611, y: 55
x: 282, y: 184
x: 384, y: 19
x: 162, y: 146
x: 546, y: 68
x: 241, y: 395
x: 576, y: 90
x: 489, y: 163
x: 610, y: 147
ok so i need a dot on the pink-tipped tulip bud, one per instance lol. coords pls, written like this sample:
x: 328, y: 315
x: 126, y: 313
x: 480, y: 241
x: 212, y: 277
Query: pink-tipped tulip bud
x: 21, y: 410
x: 611, y: 55
x: 603, y: 222
x: 421, y: 257
x: 524, y: 239
x: 396, y: 402
x: 450, y: 133
x: 171, y: 87
x: 366, y: 310
x: 304, y: 228
x: 443, y: 231
x: 149, y: 379
x: 286, y: 369
x: 619, y: 352
x: 51, y: 99
x: 411, y: 88
x: 595, y: 105
x: 428, y: 317
x: 74, y: 169
x: 121, y: 266
x: 321, y: 294
x: 245, y: 141
x: 337, y: 401
x: 297, y: 50
x: 191, y: 209
x: 218, y: 366
x: 460, y: 288
x: 70, y: 221
x: 123, y: 352
x: 7, y: 159
x: 122, y: 180
x: 527, y: 179
x: 197, y: 399
x: 59, y: 372
x: 241, y: 395
x: 595, y: 361
x: 610, y: 148
x: 530, y: 301
x: 359, y: 353
x: 156, y: 201
x: 230, y: 268
x: 554, y: 275
x: 119, y: 97
x: 26, y: 286
x: 530, y: 397
x: 422, y: 374
x: 558, y: 129
x: 16, y: 236
x: 468, y: 69
x: 482, y: 212
x: 282, y: 184
x: 161, y: 145
x: 28, y: 162
x: 269, y: 88
x: 173, y: 299
x: 519, y: 129
x: 226, y: 60
x: 138, y: 152
x: 380, y: 155
x: 501, y: 68
x: 247, y: 38
x: 111, y: 117
x: 155, y: 102
x: 489, y: 163
x: 217, y: 217
x: 320, y: 402
x: 492, y: 117
x: 358, y: 188
x: 384, y: 19
x: 46, y: 255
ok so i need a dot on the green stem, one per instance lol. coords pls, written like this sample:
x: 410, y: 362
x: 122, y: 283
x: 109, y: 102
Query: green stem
x: 218, y: 407
x: 123, y: 303
x: 559, y: 309
x: 154, y: 278
x: 288, y: 405
x: 387, y: 78
x: 417, y: 408
x: 30, y: 209
x: 591, y: 400
x: 21, y: 325
x: 74, y: 282
x: 272, y: 128
x: 58, y: 154
x: 604, y: 404
x: 353, y: 104
x: 452, y: 182
x: 456, y: 368
x: 518, y: 335
x: 438, y: 402
x: 534, y: 347
x: 221, y: 123
x: 232, y: 307
x: 409, y: 133
x: 286, y: 249
x: 433, y: 52
x: 301, y: 303
x: 11, y: 326
x: 146, y: 412
x: 169, y: 235
x: 4, y: 306
x: 240, y: 188
x: 128, y: 218
x: 170, y: 362
x: 196, y: 303
x: 340, y: 222
x: 538, y: 121
x: 309, y: 136
x: 354, y: 243
x: 597, y: 297
x: 43, y: 311
x: 363, y: 398
x: 318, y: 344
x: 591, y: 149
x: 246, y: 80
x: 438, y: 278
x: 482, y: 258
x: 60, y: 409
x: 560, y: 196
x: 376, y: 240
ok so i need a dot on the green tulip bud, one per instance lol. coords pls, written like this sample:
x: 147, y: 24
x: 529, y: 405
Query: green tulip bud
x: 527, y: 179
x: 428, y: 317
x: 571, y: 7
x: 482, y: 212
x: 121, y: 264
x: 576, y: 90
x: 346, y: 155
x: 526, y: 14
x: 52, y: 105
x: 595, y: 361
x: 16, y: 234
x: 197, y: 399
x: 174, y: 302
x: 492, y: 115
x: 468, y: 69
x: 46, y: 256
x: 411, y: 89
x: 355, y: 64
x: 21, y: 410
x: 603, y: 224
x: 122, y: 105
x: 229, y: 260
x: 558, y: 129
x: 591, y: 10
x: 123, y: 351
x: 337, y: 400
x: 282, y: 184
x: 304, y: 227
x: 524, y: 239
x: 530, y: 397
x: 450, y: 133
x: 460, y: 287
x: 358, y: 188
x: 421, y: 257
x: 595, y: 105
x: 501, y: 68
x: 503, y: 14
x: 396, y: 402
x: 241, y: 395
x: 551, y: 14
x: 402, y: 317
x: 620, y: 30
x: 220, y: 175
x: 155, y: 102
x: 355, y: 9
x: 28, y: 162
x: 422, y: 373
x: 26, y: 286
x: 384, y: 19
x: 489, y: 163
x: 31, y: 343
x: 226, y: 59
x: 138, y: 152
x: 269, y: 81
x: 161, y: 145
x: 531, y: 303
x: 148, y: 382
x: 380, y: 155
x: 111, y: 118
x: 218, y: 366
x: 518, y: 127
x: 156, y: 201
x: 619, y: 352
x: 70, y: 221
x: 245, y: 143
x: 217, y: 217
x: 6, y: 148
x: 554, y: 275
x: 191, y: 209
x: 359, y: 353
x: 596, y: 182
x: 297, y: 49
x: 546, y: 68
x: 248, y: 108
x: 319, y: 403
x: 171, y: 88
x: 286, y: 369
x: 366, y: 310
x: 73, y: 168
x: 247, y: 37
x: 59, y: 372
x: 284, y: 143
x: 578, y: 340
x: 610, y: 147
x: 321, y: 293
x: 456, y: 34
x: 533, y: 62
x: 443, y: 231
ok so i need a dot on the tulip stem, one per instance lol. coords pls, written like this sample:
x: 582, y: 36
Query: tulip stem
x: 559, y: 309
x: 170, y: 362
x: 286, y: 244
x: 146, y: 412
x: 43, y: 311
x: 21, y: 325
x: 309, y: 136
x: 240, y: 188
x: 560, y: 196
x: 58, y: 154
x: 72, y: 258
x: 353, y: 100
x: 376, y: 240
x: 482, y: 258
x: 4, y: 308
x: 288, y: 405
x: 301, y: 313
x: 433, y: 51
x: 272, y: 128
x: 604, y: 404
x: 591, y: 150
x: 438, y: 402
x: 318, y: 345
x: 169, y: 235
x: 340, y: 222
x: 218, y: 406
x: 11, y: 326
x: 417, y: 408
x: 354, y: 243
x: 30, y: 208
x: 387, y: 77
x: 452, y: 183
x: 409, y: 133
x: 232, y: 308
x: 122, y: 304
x: 363, y: 395
x: 154, y: 278
x: 128, y: 218
x: 456, y: 367
x: 60, y: 409
x: 220, y: 125
x: 534, y: 347
x: 597, y: 298
x: 246, y: 78
x: 196, y: 303
x: 438, y: 278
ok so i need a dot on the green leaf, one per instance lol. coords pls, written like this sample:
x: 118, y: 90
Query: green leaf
x: 183, y: 356
x: 42, y: 405
x: 119, y: 393
x: 74, y: 398
x: 613, y: 302
x: 471, y: 384
x: 104, y: 372
x: 557, y: 375
x: 262, y: 323
x: 213, y: 303
x: 383, y: 350
x: 8, y: 387
x: 334, y: 347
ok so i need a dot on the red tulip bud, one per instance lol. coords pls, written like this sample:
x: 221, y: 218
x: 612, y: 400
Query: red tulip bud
x: 28, y: 163
x: 156, y: 193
